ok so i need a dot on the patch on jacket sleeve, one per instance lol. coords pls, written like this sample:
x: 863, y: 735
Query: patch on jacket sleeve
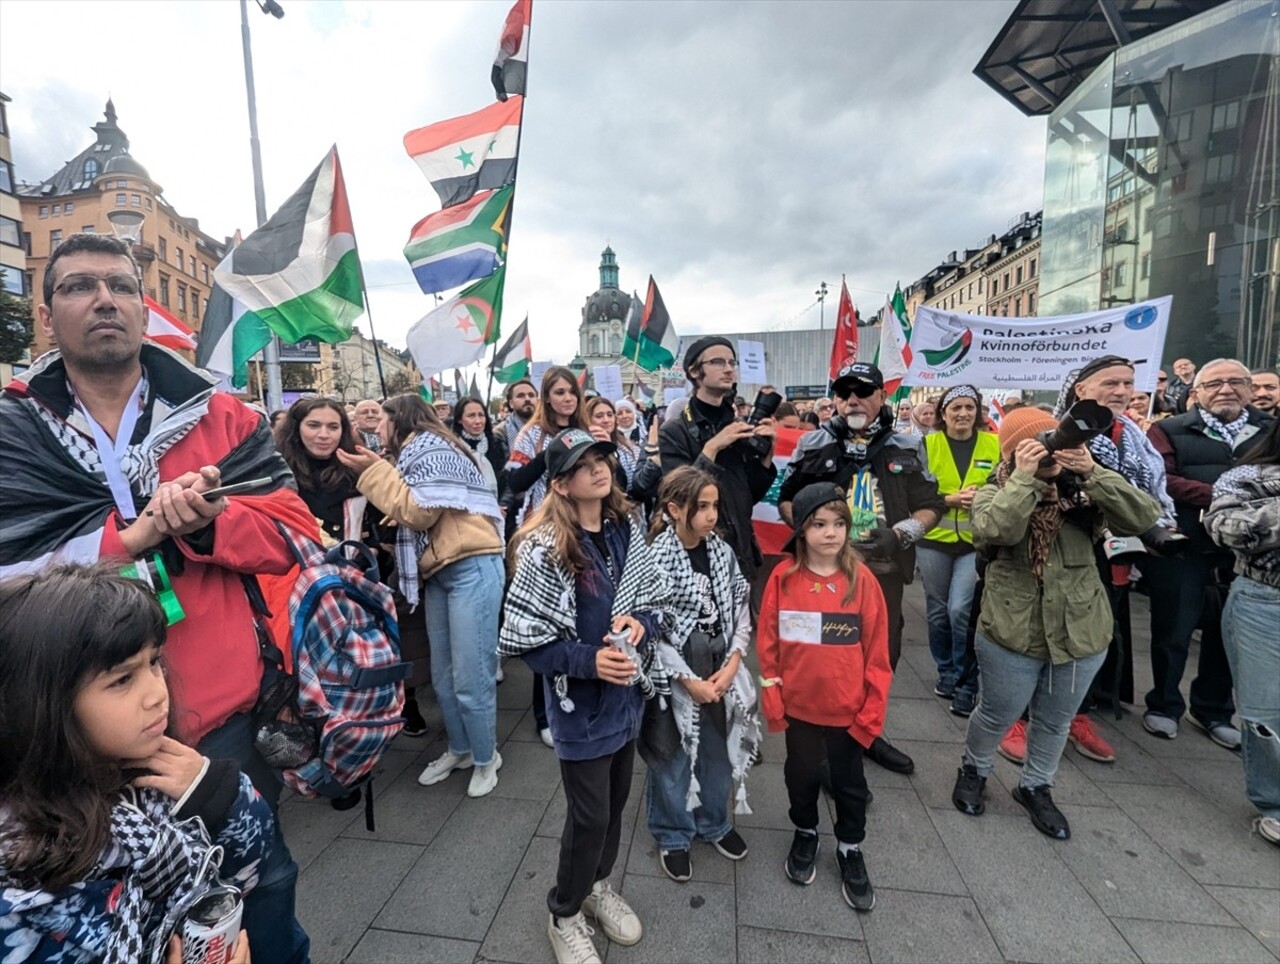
x: 819, y: 629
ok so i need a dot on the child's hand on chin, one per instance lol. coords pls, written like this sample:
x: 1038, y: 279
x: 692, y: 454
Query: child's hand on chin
x: 171, y: 769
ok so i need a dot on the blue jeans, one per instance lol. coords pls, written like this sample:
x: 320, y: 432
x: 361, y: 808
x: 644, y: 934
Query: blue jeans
x: 462, y: 602
x: 269, y: 917
x: 949, y: 582
x: 1009, y: 682
x: 1249, y: 624
x: 672, y: 824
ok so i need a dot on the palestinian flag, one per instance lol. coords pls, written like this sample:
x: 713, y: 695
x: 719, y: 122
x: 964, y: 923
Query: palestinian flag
x: 514, y: 360
x: 455, y: 334
x: 164, y: 329
x: 296, y: 276
x: 511, y: 62
x: 462, y: 243
x: 475, y: 152
x: 651, y: 340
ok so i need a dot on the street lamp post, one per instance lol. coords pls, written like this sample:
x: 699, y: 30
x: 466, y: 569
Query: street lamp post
x: 821, y: 294
x: 271, y: 353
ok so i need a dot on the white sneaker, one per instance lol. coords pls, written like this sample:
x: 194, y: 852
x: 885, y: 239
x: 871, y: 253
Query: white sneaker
x: 440, y: 769
x: 1268, y: 828
x: 544, y: 734
x: 571, y: 940
x: 614, y: 915
x: 485, y: 778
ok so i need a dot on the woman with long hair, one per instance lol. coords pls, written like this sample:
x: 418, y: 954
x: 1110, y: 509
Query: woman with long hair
x: 309, y: 437
x: 1245, y: 518
x: 450, y: 540
x: 471, y: 423
x: 602, y: 422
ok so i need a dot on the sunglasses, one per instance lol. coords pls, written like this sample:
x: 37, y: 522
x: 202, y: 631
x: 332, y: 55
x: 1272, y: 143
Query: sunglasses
x: 860, y: 389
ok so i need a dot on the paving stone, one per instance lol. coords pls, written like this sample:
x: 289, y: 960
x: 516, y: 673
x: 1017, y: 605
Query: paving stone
x: 526, y: 728
x: 309, y: 827
x: 519, y: 929
x: 529, y: 772
x: 767, y: 794
x: 942, y: 928
x: 1070, y: 784
x: 410, y: 813
x: 903, y: 850
x: 356, y: 877
x: 695, y: 922
x: 389, y: 947
x: 910, y: 685
x: 1193, y: 832
x: 552, y: 822
x: 456, y: 889
x: 757, y: 945
x: 768, y: 899
x: 1135, y: 763
x: 1189, y: 744
x: 1257, y: 909
x: 924, y: 720
x: 1016, y: 877
x: 1220, y: 780
x: 1164, y: 941
x: 708, y: 864
x: 935, y: 776
x: 1129, y: 875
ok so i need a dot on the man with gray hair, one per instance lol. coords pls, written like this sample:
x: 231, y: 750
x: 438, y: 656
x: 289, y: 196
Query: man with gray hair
x: 1197, y: 447
x: 365, y: 421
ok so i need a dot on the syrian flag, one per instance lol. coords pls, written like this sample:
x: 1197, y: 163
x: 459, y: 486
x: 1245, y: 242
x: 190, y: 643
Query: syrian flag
x: 511, y: 62
x: 844, y: 349
x: 514, y: 359
x: 164, y: 329
x: 297, y: 276
x: 651, y: 338
x: 893, y: 356
x: 475, y: 152
x: 456, y: 333
x: 459, y: 244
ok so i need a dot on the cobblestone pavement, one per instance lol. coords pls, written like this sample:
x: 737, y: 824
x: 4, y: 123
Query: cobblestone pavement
x: 1162, y: 865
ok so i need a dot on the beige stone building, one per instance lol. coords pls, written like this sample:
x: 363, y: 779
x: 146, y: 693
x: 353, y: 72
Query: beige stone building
x: 349, y: 370
x: 176, y: 257
x: 1013, y: 274
x: 13, y: 257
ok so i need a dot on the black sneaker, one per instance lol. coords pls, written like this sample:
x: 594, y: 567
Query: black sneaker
x: 801, y: 865
x: 855, y: 885
x: 944, y: 688
x: 967, y: 794
x: 964, y: 703
x: 888, y: 756
x: 414, y: 724
x: 676, y: 865
x: 1044, y: 814
x: 731, y: 845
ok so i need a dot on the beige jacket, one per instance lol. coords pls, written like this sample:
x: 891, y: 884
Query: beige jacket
x: 453, y: 535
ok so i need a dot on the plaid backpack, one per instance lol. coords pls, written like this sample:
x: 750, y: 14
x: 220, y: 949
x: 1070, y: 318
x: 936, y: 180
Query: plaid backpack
x: 328, y: 724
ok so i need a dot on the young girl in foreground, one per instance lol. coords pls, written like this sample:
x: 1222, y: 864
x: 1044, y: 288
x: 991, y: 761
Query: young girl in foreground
x: 95, y: 866
x: 824, y: 669
x: 715, y: 699
x: 582, y: 570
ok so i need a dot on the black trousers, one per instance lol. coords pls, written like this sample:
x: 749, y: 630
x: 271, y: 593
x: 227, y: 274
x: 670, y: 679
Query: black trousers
x: 596, y: 792
x: 807, y: 746
x: 892, y: 585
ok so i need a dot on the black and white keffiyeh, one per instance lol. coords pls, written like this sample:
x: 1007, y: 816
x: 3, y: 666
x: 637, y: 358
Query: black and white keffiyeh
x: 1229, y: 432
x: 541, y: 604
x: 440, y: 477
x: 732, y: 599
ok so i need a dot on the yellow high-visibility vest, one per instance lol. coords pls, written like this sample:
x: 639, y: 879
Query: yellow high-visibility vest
x: 954, y: 525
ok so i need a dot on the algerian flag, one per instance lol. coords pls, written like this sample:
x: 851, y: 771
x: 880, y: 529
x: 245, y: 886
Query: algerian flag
x: 893, y: 354
x: 297, y: 276
x: 514, y: 359
x: 651, y: 340
x: 455, y: 334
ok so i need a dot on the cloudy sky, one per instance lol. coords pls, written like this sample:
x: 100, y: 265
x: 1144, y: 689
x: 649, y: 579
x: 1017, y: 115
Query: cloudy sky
x: 740, y: 152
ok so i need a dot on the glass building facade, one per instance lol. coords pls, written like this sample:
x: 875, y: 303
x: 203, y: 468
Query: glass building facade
x: 1161, y: 177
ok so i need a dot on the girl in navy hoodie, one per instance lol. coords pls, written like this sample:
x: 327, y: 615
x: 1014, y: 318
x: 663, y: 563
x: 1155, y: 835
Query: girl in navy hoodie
x: 582, y: 571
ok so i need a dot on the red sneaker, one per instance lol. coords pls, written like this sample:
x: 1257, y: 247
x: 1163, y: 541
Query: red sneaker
x: 1014, y: 745
x: 1087, y: 741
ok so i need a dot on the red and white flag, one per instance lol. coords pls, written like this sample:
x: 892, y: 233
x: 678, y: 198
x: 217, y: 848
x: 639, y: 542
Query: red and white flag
x: 845, y: 347
x: 771, y: 532
x: 511, y: 62
x: 164, y: 329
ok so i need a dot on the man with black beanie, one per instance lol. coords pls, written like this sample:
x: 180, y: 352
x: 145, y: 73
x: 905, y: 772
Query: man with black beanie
x: 707, y: 434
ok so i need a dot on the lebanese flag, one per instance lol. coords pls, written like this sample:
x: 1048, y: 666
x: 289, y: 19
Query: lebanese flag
x: 771, y: 532
x: 511, y: 62
x: 164, y: 329
x: 844, y: 349
x: 475, y: 152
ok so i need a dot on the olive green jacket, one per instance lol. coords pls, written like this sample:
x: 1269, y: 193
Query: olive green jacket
x: 1069, y: 617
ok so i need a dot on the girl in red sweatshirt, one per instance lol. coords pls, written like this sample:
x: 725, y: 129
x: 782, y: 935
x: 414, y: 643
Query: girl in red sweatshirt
x: 823, y: 640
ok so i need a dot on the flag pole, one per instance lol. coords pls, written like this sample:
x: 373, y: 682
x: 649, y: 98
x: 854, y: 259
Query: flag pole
x: 368, y: 310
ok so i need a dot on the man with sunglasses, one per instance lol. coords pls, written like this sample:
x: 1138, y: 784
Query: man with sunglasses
x: 709, y: 435
x: 110, y: 443
x: 893, y: 497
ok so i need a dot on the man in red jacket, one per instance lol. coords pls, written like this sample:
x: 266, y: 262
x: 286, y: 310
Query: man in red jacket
x: 109, y: 447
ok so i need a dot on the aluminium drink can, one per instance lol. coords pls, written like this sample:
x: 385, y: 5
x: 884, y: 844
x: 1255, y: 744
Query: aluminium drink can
x: 212, y: 926
x: 621, y: 640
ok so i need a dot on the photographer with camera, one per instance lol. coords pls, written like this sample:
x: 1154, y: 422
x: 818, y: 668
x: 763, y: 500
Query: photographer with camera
x: 1044, y: 612
x: 737, y: 454
x: 893, y: 497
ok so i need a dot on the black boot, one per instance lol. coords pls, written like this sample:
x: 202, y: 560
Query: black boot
x: 1048, y: 819
x: 967, y: 794
x: 414, y: 724
x: 884, y: 753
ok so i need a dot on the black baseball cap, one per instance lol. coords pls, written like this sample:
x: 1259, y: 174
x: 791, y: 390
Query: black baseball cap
x: 808, y: 501
x: 857, y: 373
x: 569, y: 446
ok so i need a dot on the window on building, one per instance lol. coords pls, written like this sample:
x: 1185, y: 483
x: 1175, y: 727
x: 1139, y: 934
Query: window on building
x: 1006, y: 281
x: 1220, y: 168
x: 26, y: 242
x: 57, y: 209
x: 44, y: 210
x: 995, y: 286
x: 193, y: 266
x: 1031, y: 302
x: 1122, y: 231
x: 164, y: 250
x: 1031, y: 270
x: 1225, y: 116
x: 204, y: 273
x: 1017, y: 275
x: 1121, y: 275
x: 164, y: 290
x: 121, y: 200
x: 594, y: 344
x: 135, y: 200
x: 182, y: 298
x: 15, y: 282
x: 195, y: 306
x: 178, y: 258
x: 1017, y: 307
x: 121, y: 185
x: 979, y: 286
x: 1144, y: 266
x: 10, y: 232
x: 55, y: 239
x: 1179, y: 128
x: 71, y: 206
x: 88, y: 229
x: 6, y: 177
x: 90, y: 169
x: 146, y: 203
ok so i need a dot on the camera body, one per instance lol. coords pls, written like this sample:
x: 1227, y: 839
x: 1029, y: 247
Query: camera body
x: 1085, y: 420
x: 766, y: 404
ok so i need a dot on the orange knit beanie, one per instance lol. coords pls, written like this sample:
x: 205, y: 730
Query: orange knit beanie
x: 1022, y: 423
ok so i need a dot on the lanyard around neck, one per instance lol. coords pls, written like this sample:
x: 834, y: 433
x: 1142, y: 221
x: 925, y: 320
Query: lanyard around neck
x: 111, y: 454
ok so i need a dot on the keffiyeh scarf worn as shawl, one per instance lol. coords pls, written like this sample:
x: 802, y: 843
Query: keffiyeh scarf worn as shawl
x: 440, y: 477
x: 1046, y: 518
x: 732, y: 599
x: 541, y: 604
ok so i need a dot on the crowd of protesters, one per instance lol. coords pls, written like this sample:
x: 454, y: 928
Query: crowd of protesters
x: 612, y: 549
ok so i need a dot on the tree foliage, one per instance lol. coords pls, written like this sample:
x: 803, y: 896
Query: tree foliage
x: 17, y: 327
